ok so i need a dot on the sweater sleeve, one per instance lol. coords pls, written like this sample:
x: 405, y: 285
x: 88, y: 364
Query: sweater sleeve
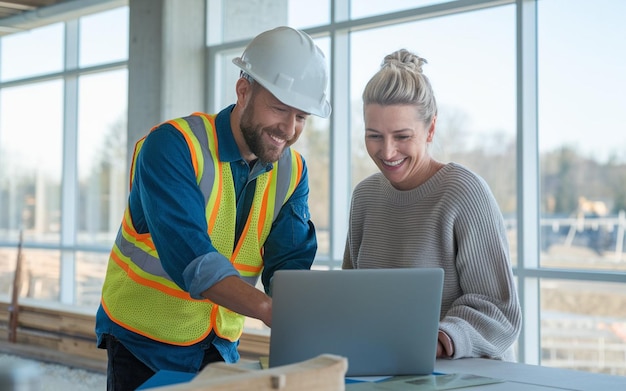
x: 485, y: 320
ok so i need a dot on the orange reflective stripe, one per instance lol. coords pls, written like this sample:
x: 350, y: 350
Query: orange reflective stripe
x: 133, y: 162
x: 147, y: 335
x: 299, y: 170
x: 296, y: 174
x: 218, y: 199
x: 194, y: 156
x: 246, y: 228
x: 145, y: 239
x: 147, y: 282
x: 263, y: 212
x: 240, y: 266
x: 247, y: 268
x: 213, y: 322
x: 126, y: 326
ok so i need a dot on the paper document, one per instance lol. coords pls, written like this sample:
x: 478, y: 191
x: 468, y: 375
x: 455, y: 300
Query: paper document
x: 425, y: 383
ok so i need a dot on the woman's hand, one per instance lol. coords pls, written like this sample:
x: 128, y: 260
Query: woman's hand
x: 445, y: 347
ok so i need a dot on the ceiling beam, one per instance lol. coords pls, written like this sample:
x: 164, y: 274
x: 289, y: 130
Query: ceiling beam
x: 59, y: 12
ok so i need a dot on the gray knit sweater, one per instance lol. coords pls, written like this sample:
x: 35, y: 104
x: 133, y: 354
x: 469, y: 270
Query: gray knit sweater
x: 453, y: 222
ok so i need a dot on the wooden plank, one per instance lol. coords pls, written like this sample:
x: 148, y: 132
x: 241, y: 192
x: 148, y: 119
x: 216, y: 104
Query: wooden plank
x: 78, y: 348
x: 53, y: 356
x: 17, y: 285
x: 82, y: 348
x: 56, y: 321
x: 78, y: 325
x: 39, y: 339
x: 323, y: 373
x: 39, y: 321
x: 4, y: 313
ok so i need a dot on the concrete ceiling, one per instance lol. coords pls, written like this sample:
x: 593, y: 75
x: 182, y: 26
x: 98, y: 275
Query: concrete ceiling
x: 22, y: 15
x: 15, y: 7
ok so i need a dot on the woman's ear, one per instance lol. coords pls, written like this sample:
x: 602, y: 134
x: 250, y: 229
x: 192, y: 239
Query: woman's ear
x: 431, y: 130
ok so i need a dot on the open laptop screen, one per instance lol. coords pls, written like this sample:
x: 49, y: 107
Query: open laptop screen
x: 384, y: 321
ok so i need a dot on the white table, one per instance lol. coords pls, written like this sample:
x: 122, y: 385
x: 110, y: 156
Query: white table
x: 517, y: 377
x: 524, y: 377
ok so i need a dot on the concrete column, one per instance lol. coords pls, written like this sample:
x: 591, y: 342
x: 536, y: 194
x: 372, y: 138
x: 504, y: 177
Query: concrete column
x: 166, y: 63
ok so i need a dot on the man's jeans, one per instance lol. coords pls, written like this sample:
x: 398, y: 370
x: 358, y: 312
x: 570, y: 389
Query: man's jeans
x: 126, y: 373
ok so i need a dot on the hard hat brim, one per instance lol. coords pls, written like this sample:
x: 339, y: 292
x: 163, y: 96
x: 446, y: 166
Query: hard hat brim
x: 298, y: 101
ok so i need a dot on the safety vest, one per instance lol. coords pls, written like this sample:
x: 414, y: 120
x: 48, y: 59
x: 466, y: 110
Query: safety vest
x: 140, y: 296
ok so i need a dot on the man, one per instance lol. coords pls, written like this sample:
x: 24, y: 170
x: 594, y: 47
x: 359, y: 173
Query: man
x: 215, y: 202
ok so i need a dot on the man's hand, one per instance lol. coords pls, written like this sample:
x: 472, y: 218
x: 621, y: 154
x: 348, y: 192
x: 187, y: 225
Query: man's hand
x: 237, y: 295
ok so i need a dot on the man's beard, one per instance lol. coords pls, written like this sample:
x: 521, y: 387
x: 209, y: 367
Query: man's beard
x: 253, y: 134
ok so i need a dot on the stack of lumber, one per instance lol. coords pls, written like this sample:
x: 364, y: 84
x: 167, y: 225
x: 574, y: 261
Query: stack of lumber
x: 52, y: 334
x: 60, y: 334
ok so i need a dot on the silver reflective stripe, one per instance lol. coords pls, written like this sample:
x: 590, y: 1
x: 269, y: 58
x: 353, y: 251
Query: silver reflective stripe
x: 283, y: 180
x: 142, y: 259
x: 196, y: 123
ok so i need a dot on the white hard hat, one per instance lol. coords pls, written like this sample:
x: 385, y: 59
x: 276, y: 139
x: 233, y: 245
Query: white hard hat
x: 288, y: 64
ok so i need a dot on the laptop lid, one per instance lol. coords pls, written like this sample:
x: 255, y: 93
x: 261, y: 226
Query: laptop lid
x: 384, y: 321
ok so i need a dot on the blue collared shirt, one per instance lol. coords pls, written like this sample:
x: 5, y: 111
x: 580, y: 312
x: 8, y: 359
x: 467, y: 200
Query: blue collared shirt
x: 166, y: 201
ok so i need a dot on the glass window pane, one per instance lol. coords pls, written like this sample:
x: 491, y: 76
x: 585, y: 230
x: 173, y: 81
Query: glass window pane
x: 90, y: 272
x: 306, y: 13
x: 474, y: 85
x: 104, y: 37
x: 227, y: 74
x: 364, y: 8
x: 314, y: 145
x: 40, y: 274
x: 241, y: 20
x: 30, y: 161
x: 582, y: 95
x: 32, y: 53
x: 102, y: 156
x: 583, y: 325
x: 231, y: 21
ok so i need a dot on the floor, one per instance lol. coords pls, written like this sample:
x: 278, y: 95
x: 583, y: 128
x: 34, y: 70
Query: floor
x: 46, y: 376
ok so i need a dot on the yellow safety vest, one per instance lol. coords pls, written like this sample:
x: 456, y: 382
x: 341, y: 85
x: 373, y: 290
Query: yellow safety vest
x: 140, y: 296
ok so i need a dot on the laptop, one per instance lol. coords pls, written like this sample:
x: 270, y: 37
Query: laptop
x: 384, y: 321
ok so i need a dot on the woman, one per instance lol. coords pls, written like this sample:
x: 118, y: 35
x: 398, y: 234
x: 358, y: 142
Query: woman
x: 418, y: 212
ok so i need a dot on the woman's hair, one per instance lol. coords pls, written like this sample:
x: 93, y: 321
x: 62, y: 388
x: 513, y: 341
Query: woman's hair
x: 400, y: 81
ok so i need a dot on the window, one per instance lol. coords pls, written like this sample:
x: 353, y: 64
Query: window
x: 366, y: 8
x: 63, y: 154
x: 101, y: 156
x: 581, y: 94
x: 31, y: 143
x: 104, y: 37
x: 44, y: 54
